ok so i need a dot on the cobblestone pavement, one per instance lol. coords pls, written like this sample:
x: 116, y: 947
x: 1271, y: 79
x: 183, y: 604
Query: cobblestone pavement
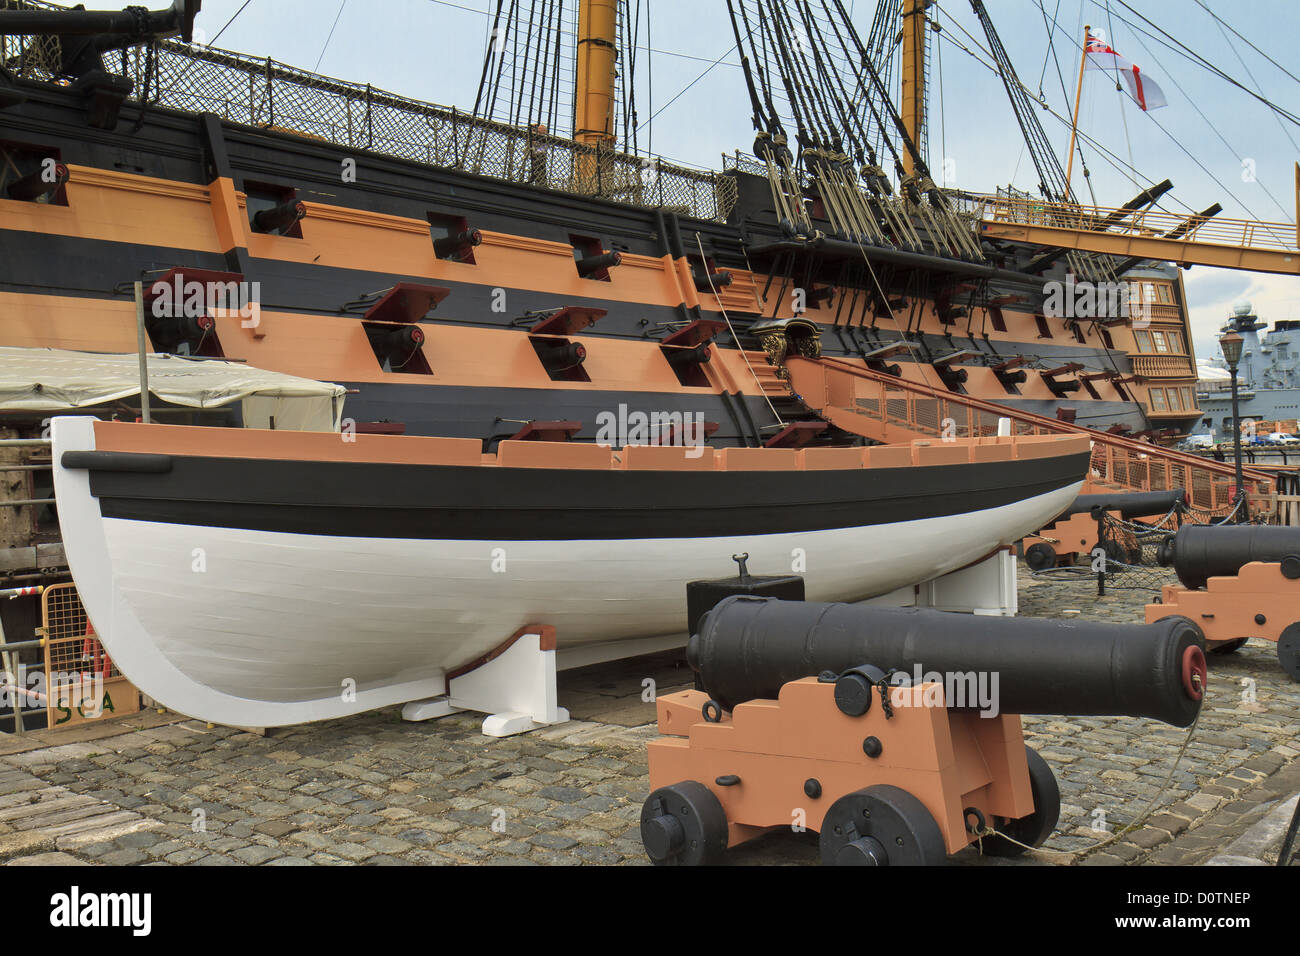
x: 374, y: 790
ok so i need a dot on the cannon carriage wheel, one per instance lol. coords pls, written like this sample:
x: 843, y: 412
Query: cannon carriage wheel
x: 1040, y: 556
x: 684, y: 825
x: 881, y: 825
x: 1288, y: 650
x: 1038, y: 826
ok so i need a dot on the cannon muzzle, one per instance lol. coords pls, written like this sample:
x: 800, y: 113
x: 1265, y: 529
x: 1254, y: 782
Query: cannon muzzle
x: 457, y: 244
x: 279, y: 219
x: 748, y: 647
x: 1201, y: 552
x: 593, y: 265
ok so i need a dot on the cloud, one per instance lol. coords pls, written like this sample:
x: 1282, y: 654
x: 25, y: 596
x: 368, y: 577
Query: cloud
x: 1211, y: 294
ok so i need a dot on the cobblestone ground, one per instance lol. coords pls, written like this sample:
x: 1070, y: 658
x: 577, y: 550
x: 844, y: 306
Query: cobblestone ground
x: 374, y: 790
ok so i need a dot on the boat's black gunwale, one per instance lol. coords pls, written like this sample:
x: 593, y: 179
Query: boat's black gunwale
x: 440, y: 502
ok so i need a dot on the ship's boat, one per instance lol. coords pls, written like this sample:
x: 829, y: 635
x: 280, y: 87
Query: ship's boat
x: 246, y: 576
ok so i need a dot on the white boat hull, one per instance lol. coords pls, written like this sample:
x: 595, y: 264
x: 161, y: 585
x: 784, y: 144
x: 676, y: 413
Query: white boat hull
x: 266, y: 628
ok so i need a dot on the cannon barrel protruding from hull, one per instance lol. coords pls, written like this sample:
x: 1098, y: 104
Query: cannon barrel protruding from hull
x: 1132, y: 504
x: 42, y: 183
x: 1201, y: 552
x: 748, y: 647
x: 591, y: 265
x: 457, y: 244
x: 279, y: 218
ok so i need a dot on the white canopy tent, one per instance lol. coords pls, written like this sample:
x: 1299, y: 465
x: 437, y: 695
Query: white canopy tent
x: 56, y: 380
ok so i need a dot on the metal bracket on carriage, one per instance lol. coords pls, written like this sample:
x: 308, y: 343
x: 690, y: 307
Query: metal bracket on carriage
x: 515, y: 684
x: 569, y: 320
x: 404, y: 303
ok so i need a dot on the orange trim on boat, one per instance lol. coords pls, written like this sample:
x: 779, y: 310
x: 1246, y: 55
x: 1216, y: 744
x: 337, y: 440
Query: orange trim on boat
x: 207, y: 442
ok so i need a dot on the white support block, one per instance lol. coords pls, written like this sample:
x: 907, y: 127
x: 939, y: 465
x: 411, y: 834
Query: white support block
x: 430, y: 709
x: 517, y: 688
x: 899, y: 597
x: 986, y: 588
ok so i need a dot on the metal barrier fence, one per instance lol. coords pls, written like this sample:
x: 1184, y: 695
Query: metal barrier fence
x: 270, y: 95
x: 82, y: 682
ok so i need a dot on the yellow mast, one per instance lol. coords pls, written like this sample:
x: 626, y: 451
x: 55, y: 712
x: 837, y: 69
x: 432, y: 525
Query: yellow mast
x: 593, y: 101
x: 912, y: 94
x: 1074, y: 124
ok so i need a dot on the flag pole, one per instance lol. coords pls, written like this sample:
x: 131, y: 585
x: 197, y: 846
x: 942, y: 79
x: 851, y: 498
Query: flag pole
x: 1078, y: 95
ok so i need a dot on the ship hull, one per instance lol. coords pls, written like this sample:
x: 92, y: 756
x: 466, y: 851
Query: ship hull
x: 228, y: 602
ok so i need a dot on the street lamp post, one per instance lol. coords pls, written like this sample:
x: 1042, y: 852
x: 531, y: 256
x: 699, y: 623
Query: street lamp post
x: 1231, y: 345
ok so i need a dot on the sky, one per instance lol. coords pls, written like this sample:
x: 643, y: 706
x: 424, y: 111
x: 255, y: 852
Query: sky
x: 1216, y: 142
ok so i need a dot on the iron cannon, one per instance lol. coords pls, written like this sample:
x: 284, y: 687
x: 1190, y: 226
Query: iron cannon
x: 893, y: 733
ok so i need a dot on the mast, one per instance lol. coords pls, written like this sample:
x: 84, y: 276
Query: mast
x: 912, y: 94
x: 593, y: 101
x: 1078, y: 95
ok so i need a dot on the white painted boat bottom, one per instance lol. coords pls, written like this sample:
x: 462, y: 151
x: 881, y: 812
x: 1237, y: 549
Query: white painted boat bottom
x: 256, y: 628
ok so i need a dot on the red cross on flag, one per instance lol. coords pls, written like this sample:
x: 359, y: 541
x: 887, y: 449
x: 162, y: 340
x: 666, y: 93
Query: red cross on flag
x: 1146, y: 94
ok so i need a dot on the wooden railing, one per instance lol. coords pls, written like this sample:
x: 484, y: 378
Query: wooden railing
x: 1163, y: 366
x: 1145, y: 223
x: 1288, y: 509
x: 896, y: 410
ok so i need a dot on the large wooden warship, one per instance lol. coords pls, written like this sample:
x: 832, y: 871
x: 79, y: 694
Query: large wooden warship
x: 614, y: 370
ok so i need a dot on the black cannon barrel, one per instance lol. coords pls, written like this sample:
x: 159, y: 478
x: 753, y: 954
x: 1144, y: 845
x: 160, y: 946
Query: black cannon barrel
x: 707, y: 281
x: 132, y: 22
x: 40, y: 183
x: 457, y: 243
x: 590, y: 265
x: 1131, y: 504
x: 748, y: 647
x: 1201, y: 552
x: 680, y: 357
x: 279, y: 218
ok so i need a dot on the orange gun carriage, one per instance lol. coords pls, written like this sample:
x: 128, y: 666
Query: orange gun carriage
x: 906, y: 789
x: 1078, y: 530
x: 890, y: 772
x: 1261, y: 600
x: 1237, y: 582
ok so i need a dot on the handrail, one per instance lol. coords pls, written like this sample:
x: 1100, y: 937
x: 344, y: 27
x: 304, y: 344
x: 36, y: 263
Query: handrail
x: 1146, y: 223
x: 930, y: 412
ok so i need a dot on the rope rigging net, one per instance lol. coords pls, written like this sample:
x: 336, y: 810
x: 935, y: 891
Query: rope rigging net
x: 822, y: 113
